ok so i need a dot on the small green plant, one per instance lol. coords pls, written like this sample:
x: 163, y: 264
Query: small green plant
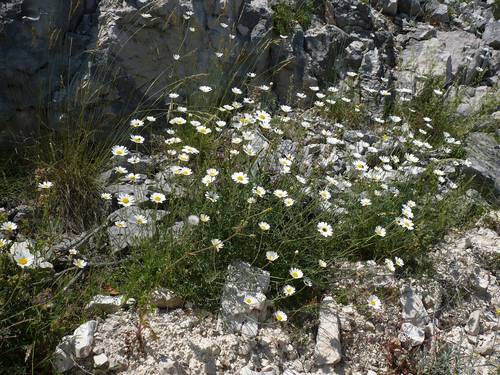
x: 288, y: 13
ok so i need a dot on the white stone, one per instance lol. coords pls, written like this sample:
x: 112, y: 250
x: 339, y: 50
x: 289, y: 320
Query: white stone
x: 243, y: 280
x: 100, y: 360
x: 411, y: 334
x: 63, y: 356
x: 328, y: 348
x: 413, y: 308
x: 84, y: 338
x: 472, y: 327
x: 107, y: 304
x: 165, y: 299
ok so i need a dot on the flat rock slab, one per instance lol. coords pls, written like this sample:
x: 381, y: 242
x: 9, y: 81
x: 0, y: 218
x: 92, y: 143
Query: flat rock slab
x: 243, y: 280
x: 107, y: 304
x: 328, y: 350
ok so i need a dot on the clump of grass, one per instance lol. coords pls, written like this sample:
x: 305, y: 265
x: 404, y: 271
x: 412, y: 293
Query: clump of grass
x: 72, y: 162
x: 13, y: 184
x: 289, y: 13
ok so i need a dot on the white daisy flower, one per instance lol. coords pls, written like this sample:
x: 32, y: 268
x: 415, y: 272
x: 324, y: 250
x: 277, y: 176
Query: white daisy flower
x: 374, y: 302
x: 296, y: 273
x: 272, y: 256
x: 157, y: 198
x: 325, y: 229
x: 240, y: 178
x: 280, y: 316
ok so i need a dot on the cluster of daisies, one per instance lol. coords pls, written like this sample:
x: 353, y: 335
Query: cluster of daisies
x: 348, y: 158
x: 243, y: 129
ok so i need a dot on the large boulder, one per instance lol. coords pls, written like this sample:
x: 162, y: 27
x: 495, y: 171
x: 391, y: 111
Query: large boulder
x: 449, y: 53
x: 483, y: 153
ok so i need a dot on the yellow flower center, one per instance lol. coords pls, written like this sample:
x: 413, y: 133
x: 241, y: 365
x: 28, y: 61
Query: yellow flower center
x: 23, y: 261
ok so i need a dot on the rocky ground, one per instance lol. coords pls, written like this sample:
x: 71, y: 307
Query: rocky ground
x: 453, y: 314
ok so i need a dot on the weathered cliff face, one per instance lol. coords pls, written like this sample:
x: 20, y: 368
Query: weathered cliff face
x: 41, y: 49
x: 129, y: 52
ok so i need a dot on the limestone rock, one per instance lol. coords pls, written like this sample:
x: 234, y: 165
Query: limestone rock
x: 63, y: 358
x: 100, y: 360
x: 107, y: 304
x: 491, y: 34
x: 84, y: 338
x: 413, y: 308
x: 473, y: 325
x: 243, y: 280
x: 447, y: 54
x: 483, y: 153
x: 165, y: 299
x: 328, y: 350
x: 411, y: 334
x: 439, y: 14
x: 121, y: 238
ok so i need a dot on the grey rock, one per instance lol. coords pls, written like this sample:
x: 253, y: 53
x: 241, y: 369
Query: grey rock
x: 447, y: 54
x: 483, y: 154
x: 164, y: 298
x: 473, y: 326
x: 139, y: 191
x: 243, y: 280
x: 489, y: 345
x: 410, y: 7
x: 411, y: 334
x: 323, y: 45
x: 121, y: 238
x: 349, y: 15
x: 170, y: 367
x: 63, y: 359
x: 84, y: 338
x: 390, y: 7
x: 248, y: 371
x: 100, y: 360
x: 328, y: 349
x: 473, y: 97
x: 106, y: 304
x: 491, y: 34
x: 439, y: 14
x: 34, y: 59
x: 413, y: 310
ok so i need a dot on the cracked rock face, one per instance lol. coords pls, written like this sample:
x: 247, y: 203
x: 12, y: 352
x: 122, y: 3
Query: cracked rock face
x: 124, y: 51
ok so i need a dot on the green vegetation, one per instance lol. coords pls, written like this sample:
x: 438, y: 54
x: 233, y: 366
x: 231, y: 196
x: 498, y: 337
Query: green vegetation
x: 318, y: 193
x: 288, y: 13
